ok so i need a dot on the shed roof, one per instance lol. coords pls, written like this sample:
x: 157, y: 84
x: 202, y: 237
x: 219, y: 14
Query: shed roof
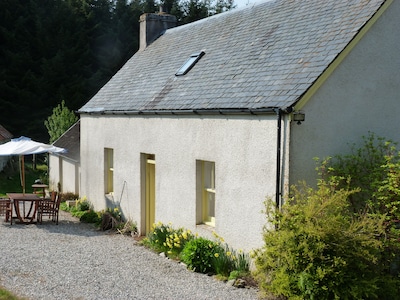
x: 70, y: 140
x: 258, y: 57
x: 5, y: 135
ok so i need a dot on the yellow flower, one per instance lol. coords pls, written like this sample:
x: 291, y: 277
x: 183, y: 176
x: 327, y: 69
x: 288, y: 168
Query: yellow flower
x: 177, y: 245
x: 216, y: 254
x: 116, y: 209
x: 229, y: 253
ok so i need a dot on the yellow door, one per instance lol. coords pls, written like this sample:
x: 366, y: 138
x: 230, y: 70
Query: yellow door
x: 150, y: 193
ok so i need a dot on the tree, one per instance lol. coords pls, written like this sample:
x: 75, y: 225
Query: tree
x: 60, y: 121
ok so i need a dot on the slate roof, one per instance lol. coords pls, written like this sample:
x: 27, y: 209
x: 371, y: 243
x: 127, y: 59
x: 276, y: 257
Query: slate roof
x: 5, y: 135
x: 262, y: 56
x: 70, y: 140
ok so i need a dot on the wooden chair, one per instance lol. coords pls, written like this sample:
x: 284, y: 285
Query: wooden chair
x: 49, y: 207
x: 6, y: 209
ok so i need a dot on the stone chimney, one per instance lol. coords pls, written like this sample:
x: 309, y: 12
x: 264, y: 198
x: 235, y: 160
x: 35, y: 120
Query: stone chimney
x: 152, y: 25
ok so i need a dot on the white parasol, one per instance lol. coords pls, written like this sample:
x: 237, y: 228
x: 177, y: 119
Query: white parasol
x: 24, y: 146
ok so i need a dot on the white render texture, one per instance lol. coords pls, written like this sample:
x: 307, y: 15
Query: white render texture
x: 64, y: 171
x: 361, y: 96
x: 243, y: 149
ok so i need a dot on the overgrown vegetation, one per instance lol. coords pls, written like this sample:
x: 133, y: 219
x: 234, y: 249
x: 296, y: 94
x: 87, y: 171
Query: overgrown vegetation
x: 109, y: 219
x: 199, y: 254
x: 339, y: 240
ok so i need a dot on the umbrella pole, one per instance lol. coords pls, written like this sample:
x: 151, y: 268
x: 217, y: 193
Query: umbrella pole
x: 23, y: 174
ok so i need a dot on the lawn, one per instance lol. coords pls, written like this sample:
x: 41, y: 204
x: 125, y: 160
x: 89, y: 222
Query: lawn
x: 10, y: 179
x: 6, y: 295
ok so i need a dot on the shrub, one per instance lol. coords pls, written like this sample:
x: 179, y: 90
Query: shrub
x: 89, y: 216
x: 110, y: 219
x: 373, y: 168
x: 164, y: 238
x: 319, y: 249
x: 229, y: 260
x: 199, y: 255
x: 69, y: 196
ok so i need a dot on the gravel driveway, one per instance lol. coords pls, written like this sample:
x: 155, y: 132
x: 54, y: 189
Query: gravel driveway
x: 73, y: 260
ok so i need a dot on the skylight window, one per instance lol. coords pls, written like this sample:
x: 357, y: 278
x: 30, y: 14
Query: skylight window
x: 193, y: 59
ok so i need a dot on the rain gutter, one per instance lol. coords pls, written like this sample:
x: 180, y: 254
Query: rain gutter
x: 245, y: 111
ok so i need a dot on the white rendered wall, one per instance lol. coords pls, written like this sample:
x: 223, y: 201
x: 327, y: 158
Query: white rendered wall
x: 361, y: 95
x: 243, y: 149
x: 54, y: 172
x: 66, y: 172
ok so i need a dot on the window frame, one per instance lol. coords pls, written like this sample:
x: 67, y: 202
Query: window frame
x: 208, y: 192
x: 108, y: 171
x: 189, y: 63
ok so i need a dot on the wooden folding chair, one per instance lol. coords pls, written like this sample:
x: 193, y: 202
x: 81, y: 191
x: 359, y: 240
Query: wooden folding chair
x: 6, y: 209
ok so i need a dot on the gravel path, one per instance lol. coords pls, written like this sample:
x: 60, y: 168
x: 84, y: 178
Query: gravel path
x: 73, y: 260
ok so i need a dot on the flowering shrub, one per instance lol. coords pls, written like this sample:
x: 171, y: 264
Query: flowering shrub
x: 228, y: 260
x: 164, y: 238
x: 320, y: 249
x: 199, y: 254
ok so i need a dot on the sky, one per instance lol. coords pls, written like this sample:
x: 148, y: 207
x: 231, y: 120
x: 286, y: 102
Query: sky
x: 244, y: 3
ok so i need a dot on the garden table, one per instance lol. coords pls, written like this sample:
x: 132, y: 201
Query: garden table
x: 19, y: 200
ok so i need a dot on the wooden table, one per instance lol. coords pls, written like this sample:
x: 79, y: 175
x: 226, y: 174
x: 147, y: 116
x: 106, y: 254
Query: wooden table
x: 19, y: 199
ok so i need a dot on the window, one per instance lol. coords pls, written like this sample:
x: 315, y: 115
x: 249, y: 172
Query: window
x: 206, y: 185
x: 109, y: 170
x: 193, y: 59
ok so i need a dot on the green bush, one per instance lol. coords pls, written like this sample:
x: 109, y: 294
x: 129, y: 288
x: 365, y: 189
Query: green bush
x: 200, y: 255
x: 228, y: 260
x: 164, y: 238
x: 89, y: 216
x: 319, y: 249
x: 373, y: 168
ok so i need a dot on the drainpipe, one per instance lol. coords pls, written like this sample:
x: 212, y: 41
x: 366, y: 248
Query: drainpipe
x: 278, y: 112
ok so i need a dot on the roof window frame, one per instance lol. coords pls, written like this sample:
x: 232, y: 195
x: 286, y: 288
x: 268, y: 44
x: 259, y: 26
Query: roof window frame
x: 189, y: 63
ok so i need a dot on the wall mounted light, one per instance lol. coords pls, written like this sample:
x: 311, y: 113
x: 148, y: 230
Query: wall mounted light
x: 299, y: 116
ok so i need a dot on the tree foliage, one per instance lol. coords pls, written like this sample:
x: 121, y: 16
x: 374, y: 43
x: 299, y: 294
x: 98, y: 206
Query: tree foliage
x: 320, y: 249
x: 374, y: 168
x: 60, y: 121
x: 53, y: 50
x: 342, y: 239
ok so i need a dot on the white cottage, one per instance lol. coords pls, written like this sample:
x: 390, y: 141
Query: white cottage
x: 200, y: 125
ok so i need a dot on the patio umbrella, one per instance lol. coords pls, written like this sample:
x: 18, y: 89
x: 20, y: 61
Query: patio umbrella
x: 24, y: 146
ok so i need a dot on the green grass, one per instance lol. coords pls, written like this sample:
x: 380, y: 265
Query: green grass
x: 10, y: 179
x: 6, y: 295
